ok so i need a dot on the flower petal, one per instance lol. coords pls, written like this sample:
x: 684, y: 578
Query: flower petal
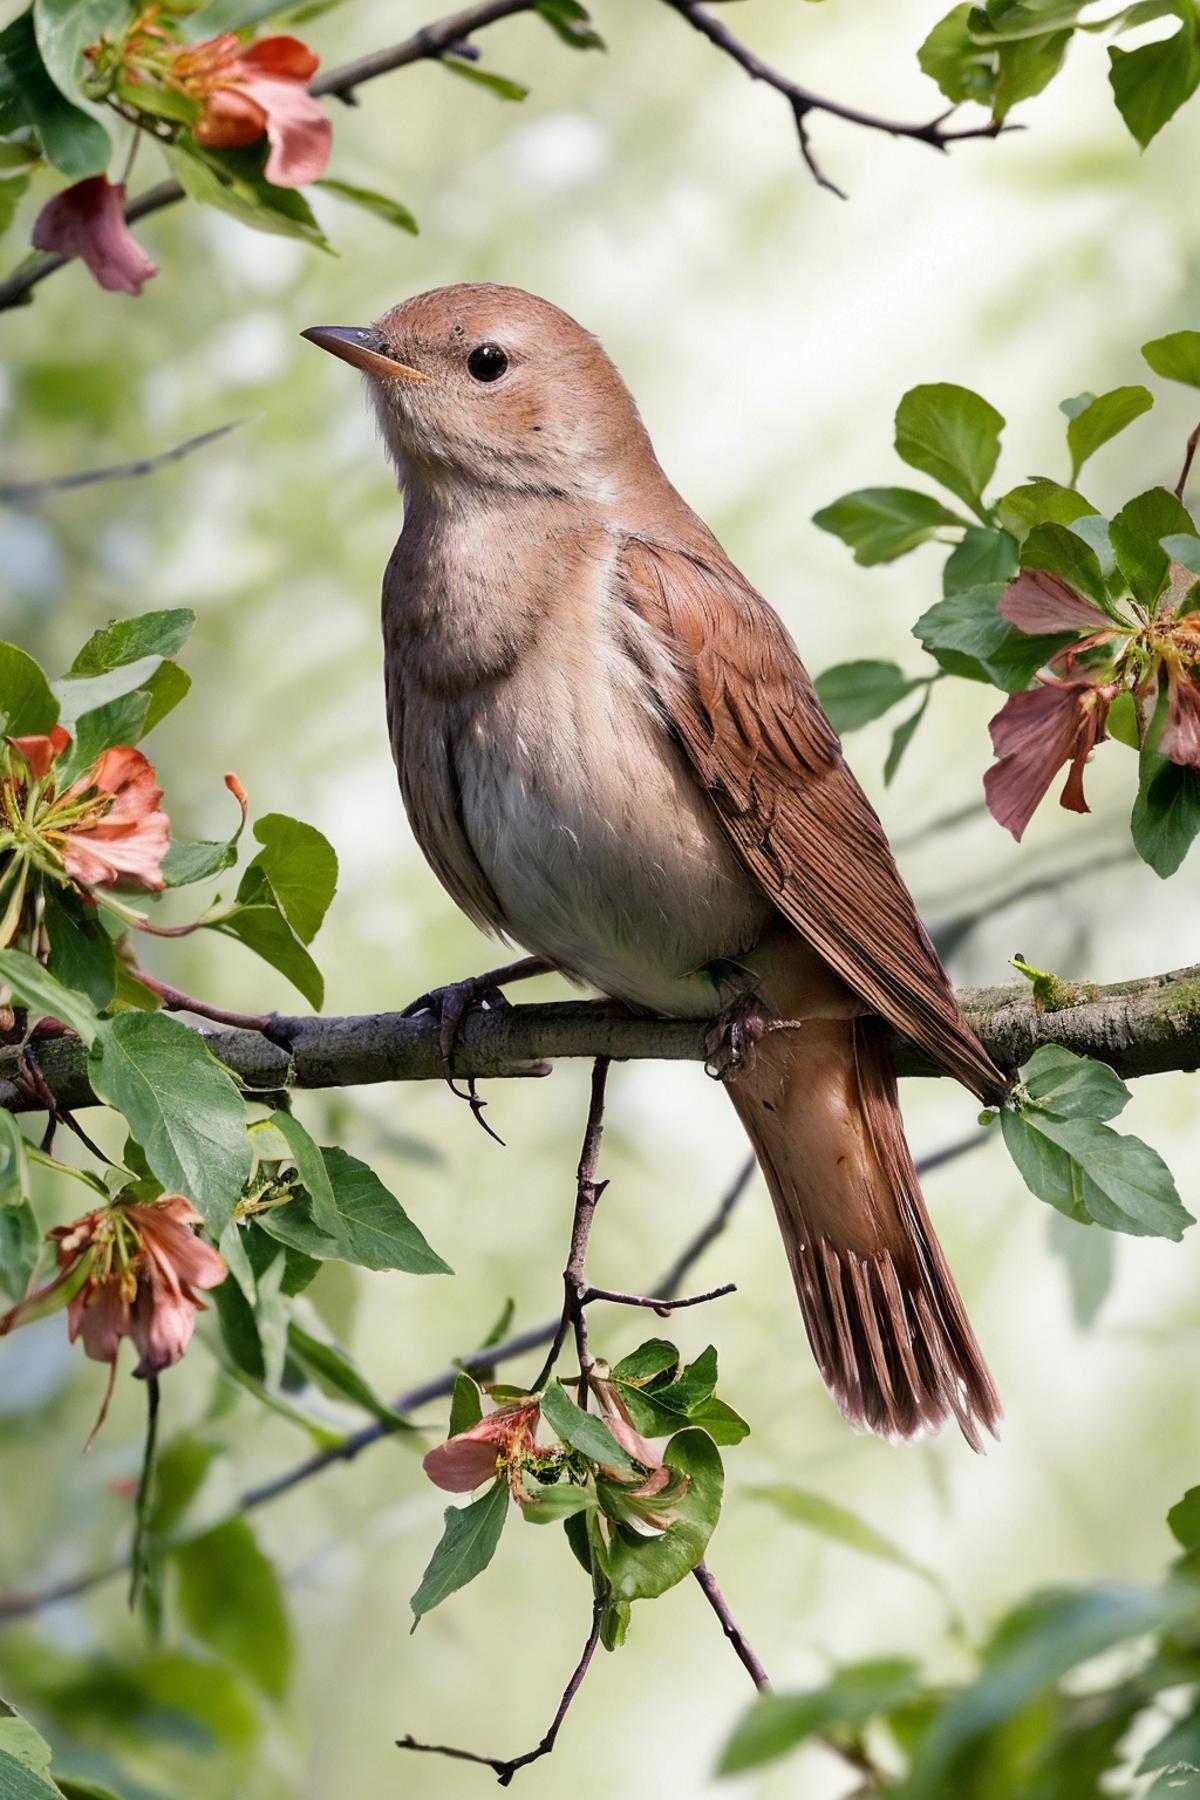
x: 130, y: 839
x: 1181, y: 734
x: 230, y: 119
x: 88, y: 220
x: 300, y: 134
x: 40, y: 752
x: 1039, y: 603
x: 462, y: 1463
x: 285, y: 58
x: 1034, y: 734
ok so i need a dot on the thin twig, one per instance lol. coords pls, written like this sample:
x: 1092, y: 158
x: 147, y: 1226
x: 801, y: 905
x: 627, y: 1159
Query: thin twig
x: 18, y: 492
x: 731, y: 1628
x: 507, y: 1767
x: 664, y: 1308
x: 1186, y: 470
x: 587, y: 1195
x: 174, y: 1000
x: 804, y: 101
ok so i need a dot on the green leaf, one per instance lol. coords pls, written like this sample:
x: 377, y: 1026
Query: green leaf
x: 1151, y: 83
x: 1025, y: 66
x: 1184, y: 1520
x: 27, y: 704
x: 233, y: 181
x: 181, y: 1106
x: 231, y: 1598
x: 12, y: 192
x: 841, y: 1526
x: 121, y: 721
x: 902, y: 737
x: 500, y: 85
x: 1179, y: 1749
x: 373, y: 1228
x: 854, y: 693
x: 20, y: 1244
x: 185, y: 863
x: 1175, y: 357
x: 880, y: 524
x: 641, y: 1568
x: 390, y: 211
x: 86, y: 693
x: 301, y: 868
x: 554, y: 1505
x: 951, y: 57
x: 65, y: 28
x: 45, y: 997
x: 466, y: 1408
x: 1183, y: 547
x: 583, y: 1430
x: 310, y: 1167
x: 1035, y: 1646
x: 1062, y: 552
x: 468, y: 1543
x: 952, y: 434
x: 777, y: 1724
x: 1137, y: 532
x: 1118, y: 1181
x: 124, y: 641
x: 72, y: 141
x: 1166, y: 813
x: 264, y: 930
x: 20, y: 1782
x: 1041, y: 503
x: 655, y: 1357
x: 571, y: 22
x: 81, y: 952
x: 983, y: 556
x: 967, y: 636
x: 1073, y: 1087
x: 1089, y: 1257
x: 1101, y: 420
x: 335, y: 1372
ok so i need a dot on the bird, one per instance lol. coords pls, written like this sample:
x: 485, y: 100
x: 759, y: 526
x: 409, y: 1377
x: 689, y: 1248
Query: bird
x: 612, y: 755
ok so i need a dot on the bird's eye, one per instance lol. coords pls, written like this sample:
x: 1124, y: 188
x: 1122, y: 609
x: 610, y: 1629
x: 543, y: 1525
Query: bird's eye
x: 487, y: 363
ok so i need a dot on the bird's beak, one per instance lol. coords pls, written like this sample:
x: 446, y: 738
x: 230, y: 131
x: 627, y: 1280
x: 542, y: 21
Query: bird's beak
x: 362, y: 349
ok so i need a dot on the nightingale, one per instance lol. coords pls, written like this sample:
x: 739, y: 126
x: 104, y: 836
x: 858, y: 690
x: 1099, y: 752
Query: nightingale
x: 611, y: 754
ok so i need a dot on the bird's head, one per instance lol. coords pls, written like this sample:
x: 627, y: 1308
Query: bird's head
x: 493, y: 387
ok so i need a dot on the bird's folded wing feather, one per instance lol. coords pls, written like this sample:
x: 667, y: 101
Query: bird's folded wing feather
x: 738, y: 698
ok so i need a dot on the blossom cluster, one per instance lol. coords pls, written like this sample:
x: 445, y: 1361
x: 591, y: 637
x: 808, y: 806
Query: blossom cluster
x: 1153, y: 657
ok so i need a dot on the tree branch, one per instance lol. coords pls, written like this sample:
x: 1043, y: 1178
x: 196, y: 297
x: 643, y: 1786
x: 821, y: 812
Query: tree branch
x: 1141, y: 1027
x: 21, y: 492
x: 804, y: 101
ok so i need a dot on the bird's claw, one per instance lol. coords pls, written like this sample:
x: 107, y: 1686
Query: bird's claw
x: 731, y: 1047
x: 452, y: 1003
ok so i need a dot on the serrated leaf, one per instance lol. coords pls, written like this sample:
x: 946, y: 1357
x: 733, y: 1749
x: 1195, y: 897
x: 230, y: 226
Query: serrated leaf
x: 951, y: 433
x: 880, y: 524
x: 1116, y: 1180
x: 373, y: 1229
x: 470, y: 1535
x: 1101, y: 420
x: 181, y: 1106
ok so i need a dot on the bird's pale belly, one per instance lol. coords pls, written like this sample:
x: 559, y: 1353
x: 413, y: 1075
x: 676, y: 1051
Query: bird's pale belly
x: 607, y: 858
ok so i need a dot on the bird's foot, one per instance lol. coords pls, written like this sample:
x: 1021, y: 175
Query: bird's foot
x: 731, y: 1047
x: 452, y: 1003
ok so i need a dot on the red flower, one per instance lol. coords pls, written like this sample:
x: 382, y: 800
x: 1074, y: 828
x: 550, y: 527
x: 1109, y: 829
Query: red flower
x: 1181, y: 734
x: 502, y: 1440
x: 243, y: 92
x: 88, y: 220
x: 128, y: 1272
x: 1034, y: 734
x: 124, y: 836
x: 40, y: 752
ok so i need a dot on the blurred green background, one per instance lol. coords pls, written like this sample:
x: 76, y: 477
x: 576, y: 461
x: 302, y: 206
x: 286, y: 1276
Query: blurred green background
x: 768, y: 330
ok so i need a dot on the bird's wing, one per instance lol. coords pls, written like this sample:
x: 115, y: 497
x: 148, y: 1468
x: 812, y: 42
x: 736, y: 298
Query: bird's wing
x: 736, y: 695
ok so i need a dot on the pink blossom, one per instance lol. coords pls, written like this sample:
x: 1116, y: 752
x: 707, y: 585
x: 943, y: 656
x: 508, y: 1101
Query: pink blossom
x: 88, y: 220
x: 40, y: 752
x: 243, y: 92
x: 504, y: 1439
x: 1034, y: 734
x: 1040, y: 603
x: 126, y: 838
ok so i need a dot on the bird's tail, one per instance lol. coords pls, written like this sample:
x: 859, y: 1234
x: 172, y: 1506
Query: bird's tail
x: 884, y: 1318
